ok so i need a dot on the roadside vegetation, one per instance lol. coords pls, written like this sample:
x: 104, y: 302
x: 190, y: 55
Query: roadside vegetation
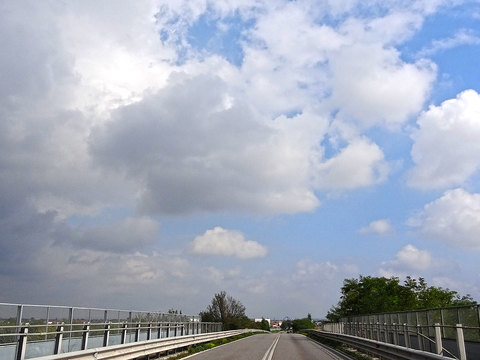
x: 231, y: 313
x: 370, y: 295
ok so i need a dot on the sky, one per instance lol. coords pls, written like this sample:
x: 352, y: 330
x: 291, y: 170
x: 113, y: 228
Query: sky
x: 154, y: 153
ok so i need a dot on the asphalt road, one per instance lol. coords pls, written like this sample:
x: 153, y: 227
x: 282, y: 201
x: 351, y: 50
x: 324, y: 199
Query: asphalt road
x: 271, y: 347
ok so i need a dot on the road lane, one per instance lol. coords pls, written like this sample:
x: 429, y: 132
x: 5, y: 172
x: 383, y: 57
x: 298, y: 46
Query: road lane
x: 250, y: 348
x: 295, y: 347
x: 272, y: 347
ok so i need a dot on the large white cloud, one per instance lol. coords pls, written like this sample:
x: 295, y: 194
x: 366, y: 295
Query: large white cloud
x: 224, y: 242
x: 109, y: 107
x: 446, y: 150
x: 453, y: 218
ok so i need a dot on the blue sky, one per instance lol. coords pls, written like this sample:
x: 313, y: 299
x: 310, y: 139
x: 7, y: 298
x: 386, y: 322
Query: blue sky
x: 270, y: 149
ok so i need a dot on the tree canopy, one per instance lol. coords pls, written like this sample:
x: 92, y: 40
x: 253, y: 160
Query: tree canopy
x: 305, y: 323
x: 227, y: 310
x: 370, y: 295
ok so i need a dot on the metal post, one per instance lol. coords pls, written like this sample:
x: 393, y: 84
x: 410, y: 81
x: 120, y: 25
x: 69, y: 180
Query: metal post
x: 86, y: 329
x: 106, y: 335
x: 149, y: 331
x: 438, y: 339
x: 58, y: 340
x: 137, y: 332
x: 159, y: 330
x: 406, y: 335
x: 22, y: 343
x: 19, y: 315
x: 46, y: 322
x: 175, y: 330
x: 461, y: 342
x: 420, y: 337
x: 168, y: 330
x: 395, y: 334
x: 19, y: 321
x: 387, y: 335
x: 70, y: 321
x: 378, y: 331
x: 442, y: 322
x: 124, y: 333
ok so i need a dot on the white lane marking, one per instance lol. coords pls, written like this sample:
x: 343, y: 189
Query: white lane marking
x: 268, y: 355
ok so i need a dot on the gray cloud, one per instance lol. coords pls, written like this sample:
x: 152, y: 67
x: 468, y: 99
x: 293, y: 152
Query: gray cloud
x: 194, y: 147
x: 117, y: 237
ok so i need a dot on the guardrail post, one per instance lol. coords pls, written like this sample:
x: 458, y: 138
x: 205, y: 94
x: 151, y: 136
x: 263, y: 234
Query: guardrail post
x: 387, y: 335
x: 58, y: 340
x: 420, y: 337
x: 22, y: 343
x: 438, y: 339
x: 406, y: 335
x: 137, y: 332
x: 19, y: 320
x: 124, y: 333
x: 86, y: 330
x: 149, y: 331
x: 175, y: 330
x: 168, y: 330
x: 106, y: 335
x: 378, y: 331
x: 159, y: 330
x: 461, y: 342
x: 395, y: 334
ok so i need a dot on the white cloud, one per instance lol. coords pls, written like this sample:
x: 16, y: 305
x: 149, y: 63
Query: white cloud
x: 461, y: 37
x: 454, y: 219
x: 407, y: 260
x: 372, y: 85
x: 455, y: 124
x: 359, y: 164
x: 379, y: 227
x: 223, y: 242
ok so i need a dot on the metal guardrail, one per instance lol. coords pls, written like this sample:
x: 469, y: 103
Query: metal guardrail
x: 32, y: 331
x: 142, y: 348
x: 404, y: 335
x: 385, y: 350
x: 447, y: 317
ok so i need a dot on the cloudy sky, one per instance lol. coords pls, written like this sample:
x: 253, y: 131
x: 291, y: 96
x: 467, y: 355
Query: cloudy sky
x: 155, y: 152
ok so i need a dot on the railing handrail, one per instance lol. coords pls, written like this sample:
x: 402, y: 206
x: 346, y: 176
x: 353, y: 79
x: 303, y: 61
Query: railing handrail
x: 379, y: 348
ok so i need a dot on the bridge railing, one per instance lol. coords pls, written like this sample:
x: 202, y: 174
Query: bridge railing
x: 452, y: 331
x: 30, y: 331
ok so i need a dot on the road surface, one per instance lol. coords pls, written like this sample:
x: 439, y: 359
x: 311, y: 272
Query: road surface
x: 271, y: 347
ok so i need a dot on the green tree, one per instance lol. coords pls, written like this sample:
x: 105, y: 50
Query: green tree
x: 300, y: 324
x: 264, y: 325
x: 369, y: 295
x: 286, y: 324
x: 225, y: 309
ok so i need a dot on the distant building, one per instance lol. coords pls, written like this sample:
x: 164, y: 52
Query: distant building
x: 260, y: 320
x: 275, y: 323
